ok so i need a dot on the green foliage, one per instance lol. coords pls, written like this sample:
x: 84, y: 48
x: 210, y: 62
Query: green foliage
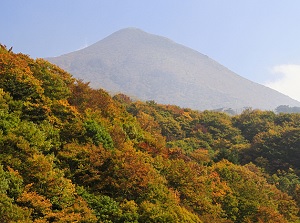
x: 55, y: 81
x: 280, y: 148
x: 252, y: 193
x: 98, y: 134
x: 252, y: 122
x: 105, y: 208
x: 10, y: 187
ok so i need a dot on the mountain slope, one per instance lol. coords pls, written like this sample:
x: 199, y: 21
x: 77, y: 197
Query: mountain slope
x: 151, y: 67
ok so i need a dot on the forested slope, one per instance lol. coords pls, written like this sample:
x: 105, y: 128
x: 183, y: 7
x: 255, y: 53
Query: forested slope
x: 70, y: 153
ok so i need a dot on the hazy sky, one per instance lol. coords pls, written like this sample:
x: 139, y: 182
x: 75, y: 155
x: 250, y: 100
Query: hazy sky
x: 257, y: 39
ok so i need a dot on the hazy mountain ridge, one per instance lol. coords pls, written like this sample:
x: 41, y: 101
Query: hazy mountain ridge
x: 151, y: 67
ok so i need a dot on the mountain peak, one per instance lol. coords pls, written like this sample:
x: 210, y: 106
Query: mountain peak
x: 130, y: 29
x: 134, y: 36
x: 133, y: 31
x: 151, y: 67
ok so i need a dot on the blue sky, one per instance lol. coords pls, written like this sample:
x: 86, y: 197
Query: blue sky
x: 257, y: 39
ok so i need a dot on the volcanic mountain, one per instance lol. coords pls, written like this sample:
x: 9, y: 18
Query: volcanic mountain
x: 151, y: 67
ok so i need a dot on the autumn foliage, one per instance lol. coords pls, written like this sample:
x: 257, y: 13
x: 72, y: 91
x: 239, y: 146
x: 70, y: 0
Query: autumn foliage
x: 70, y: 153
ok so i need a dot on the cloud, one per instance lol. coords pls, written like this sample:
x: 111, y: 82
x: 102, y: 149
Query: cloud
x: 287, y: 81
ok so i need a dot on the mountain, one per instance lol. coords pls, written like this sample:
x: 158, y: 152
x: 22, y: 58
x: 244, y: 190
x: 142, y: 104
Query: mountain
x: 151, y: 67
x: 70, y: 153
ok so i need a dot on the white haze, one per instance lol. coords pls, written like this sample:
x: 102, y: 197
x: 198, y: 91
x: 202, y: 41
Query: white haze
x: 287, y: 81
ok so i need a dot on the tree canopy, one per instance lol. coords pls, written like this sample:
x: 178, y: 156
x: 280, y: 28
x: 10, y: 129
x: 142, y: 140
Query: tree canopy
x: 70, y: 153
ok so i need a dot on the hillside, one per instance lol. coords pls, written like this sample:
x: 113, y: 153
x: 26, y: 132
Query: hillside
x: 70, y: 153
x: 150, y: 67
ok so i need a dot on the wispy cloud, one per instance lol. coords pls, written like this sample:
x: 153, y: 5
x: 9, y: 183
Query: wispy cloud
x: 287, y: 80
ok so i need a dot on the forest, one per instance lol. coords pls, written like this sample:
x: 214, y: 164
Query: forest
x: 70, y: 153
